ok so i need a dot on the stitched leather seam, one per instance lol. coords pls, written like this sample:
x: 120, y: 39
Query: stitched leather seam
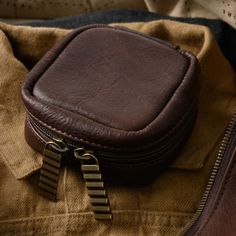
x: 116, y: 165
x: 34, y: 133
x: 111, y: 147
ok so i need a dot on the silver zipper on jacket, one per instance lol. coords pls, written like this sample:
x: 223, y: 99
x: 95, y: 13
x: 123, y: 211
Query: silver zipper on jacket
x: 222, y: 150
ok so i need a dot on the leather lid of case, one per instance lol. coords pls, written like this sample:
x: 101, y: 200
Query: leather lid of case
x: 112, y: 86
x: 114, y: 78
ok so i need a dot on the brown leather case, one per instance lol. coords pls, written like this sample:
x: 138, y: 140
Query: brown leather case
x: 128, y: 98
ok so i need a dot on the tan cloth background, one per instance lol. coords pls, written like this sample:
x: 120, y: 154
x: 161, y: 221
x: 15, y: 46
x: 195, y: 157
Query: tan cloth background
x: 45, y: 9
x: 162, y: 208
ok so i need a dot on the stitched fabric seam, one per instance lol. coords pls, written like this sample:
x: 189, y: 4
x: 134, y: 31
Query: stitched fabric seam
x: 116, y: 212
x: 73, y: 215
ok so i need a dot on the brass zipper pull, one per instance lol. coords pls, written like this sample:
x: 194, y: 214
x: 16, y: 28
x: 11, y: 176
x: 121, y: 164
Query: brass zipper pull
x: 94, y: 183
x: 49, y: 174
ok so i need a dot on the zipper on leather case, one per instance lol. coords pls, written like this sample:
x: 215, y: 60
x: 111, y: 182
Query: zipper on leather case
x: 224, y: 147
x: 53, y: 153
x: 94, y: 183
x: 57, y: 148
x: 137, y: 158
x: 49, y: 176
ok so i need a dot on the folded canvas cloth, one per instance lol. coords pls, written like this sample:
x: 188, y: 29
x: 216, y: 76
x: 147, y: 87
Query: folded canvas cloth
x: 224, y: 34
x: 162, y: 208
x: 225, y: 10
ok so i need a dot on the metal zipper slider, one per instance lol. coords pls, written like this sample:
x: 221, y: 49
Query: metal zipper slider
x: 94, y: 183
x: 49, y: 174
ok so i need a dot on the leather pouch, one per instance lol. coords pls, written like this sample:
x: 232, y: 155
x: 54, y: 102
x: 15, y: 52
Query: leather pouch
x: 120, y: 102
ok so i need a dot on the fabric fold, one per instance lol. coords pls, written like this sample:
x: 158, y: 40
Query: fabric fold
x: 170, y: 201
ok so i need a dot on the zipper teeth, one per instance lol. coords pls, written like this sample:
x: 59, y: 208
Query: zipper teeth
x: 177, y: 138
x: 222, y: 150
x: 104, y: 155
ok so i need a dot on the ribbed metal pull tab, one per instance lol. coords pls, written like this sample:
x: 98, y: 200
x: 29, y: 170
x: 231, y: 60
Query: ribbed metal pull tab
x: 94, y: 183
x: 49, y: 174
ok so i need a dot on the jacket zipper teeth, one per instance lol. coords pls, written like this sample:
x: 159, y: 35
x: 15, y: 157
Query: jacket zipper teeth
x: 105, y: 155
x: 220, y: 155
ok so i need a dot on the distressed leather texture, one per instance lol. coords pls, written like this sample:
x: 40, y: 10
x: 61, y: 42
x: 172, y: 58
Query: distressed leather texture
x: 96, y: 76
x: 91, y: 88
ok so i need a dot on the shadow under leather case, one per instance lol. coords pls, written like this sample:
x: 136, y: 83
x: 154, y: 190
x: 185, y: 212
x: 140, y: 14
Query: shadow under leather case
x: 121, y: 102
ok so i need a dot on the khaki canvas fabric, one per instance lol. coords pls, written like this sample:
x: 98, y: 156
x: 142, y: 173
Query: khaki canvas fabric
x: 225, y: 10
x: 164, y: 207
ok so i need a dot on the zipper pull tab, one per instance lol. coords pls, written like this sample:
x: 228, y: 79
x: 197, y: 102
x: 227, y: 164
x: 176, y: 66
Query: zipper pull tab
x: 94, y: 183
x: 49, y: 174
